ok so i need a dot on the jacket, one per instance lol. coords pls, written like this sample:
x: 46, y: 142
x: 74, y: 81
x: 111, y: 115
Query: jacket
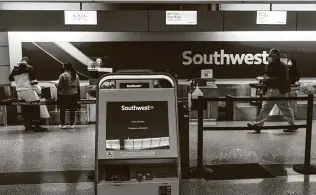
x: 67, y: 85
x: 25, y: 79
x: 278, y: 77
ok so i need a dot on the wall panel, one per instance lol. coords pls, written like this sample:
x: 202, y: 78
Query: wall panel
x: 246, y: 21
x: 32, y: 21
x: 306, y: 21
x: 207, y: 21
x: 4, y: 56
x: 118, y: 21
x: 3, y: 39
x: 4, y: 74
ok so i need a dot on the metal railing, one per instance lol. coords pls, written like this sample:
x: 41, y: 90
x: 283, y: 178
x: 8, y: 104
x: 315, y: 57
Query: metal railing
x: 200, y: 105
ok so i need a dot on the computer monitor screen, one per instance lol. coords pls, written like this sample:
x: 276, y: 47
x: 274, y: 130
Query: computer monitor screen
x: 137, y: 125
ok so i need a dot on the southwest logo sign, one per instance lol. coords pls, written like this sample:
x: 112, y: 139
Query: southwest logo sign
x: 222, y: 58
x: 136, y: 108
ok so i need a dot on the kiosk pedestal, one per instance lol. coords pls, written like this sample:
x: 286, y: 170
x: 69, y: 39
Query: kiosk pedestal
x: 137, y: 149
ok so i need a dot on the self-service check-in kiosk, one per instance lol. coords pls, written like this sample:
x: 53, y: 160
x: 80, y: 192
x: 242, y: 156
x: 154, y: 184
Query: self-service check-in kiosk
x: 137, y: 150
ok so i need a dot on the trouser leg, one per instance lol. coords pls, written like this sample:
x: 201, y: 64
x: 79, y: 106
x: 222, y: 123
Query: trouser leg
x: 286, y: 110
x: 26, y: 116
x: 62, y: 113
x: 264, y: 113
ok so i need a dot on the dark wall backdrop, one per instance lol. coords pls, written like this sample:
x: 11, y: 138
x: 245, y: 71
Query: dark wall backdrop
x: 159, y: 56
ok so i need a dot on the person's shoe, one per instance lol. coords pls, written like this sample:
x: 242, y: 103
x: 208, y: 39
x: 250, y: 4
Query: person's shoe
x: 91, y: 175
x: 39, y: 128
x: 71, y: 126
x: 62, y: 126
x: 256, y: 128
x: 289, y: 130
x: 28, y: 128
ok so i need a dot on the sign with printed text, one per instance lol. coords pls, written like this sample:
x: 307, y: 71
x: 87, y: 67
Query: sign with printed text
x: 271, y: 17
x: 80, y: 17
x: 181, y: 17
x: 207, y: 73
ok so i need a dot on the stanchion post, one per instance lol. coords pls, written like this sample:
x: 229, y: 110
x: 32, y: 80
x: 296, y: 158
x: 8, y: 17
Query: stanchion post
x: 200, y: 171
x: 200, y: 140
x: 183, y: 122
x: 307, y: 168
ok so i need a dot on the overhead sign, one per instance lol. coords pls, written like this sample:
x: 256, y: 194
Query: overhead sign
x: 271, y: 17
x: 181, y: 17
x: 80, y: 17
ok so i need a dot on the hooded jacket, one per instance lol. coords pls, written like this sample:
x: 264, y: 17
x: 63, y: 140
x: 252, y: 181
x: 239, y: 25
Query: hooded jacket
x: 25, y: 78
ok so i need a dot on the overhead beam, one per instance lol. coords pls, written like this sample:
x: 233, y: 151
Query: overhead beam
x: 38, y: 6
x: 244, y: 7
x: 164, y: 1
x: 294, y: 7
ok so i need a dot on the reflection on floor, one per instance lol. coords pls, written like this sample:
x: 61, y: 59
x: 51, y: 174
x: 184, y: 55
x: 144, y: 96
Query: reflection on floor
x: 59, y: 150
x: 65, y: 156
x: 290, y: 185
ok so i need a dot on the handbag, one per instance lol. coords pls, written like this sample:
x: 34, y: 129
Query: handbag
x: 44, y: 114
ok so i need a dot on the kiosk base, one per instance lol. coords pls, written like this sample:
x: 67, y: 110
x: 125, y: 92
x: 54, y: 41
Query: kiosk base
x: 153, y: 187
x: 309, y: 170
x: 200, y: 172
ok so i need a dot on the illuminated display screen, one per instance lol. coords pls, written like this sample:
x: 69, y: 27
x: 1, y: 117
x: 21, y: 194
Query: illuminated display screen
x: 137, y: 125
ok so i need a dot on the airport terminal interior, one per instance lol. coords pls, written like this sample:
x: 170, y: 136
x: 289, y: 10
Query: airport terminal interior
x: 157, y: 98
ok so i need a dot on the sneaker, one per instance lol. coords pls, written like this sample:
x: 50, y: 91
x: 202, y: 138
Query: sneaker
x: 256, y: 128
x: 290, y: 130
x: 28, y: 128
x: 71, y: 126
x: 62, y: 127
x: 40, y: 129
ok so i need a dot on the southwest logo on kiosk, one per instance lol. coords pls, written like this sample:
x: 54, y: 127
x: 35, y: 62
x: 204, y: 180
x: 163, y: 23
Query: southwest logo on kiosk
x: 221, y: 58
x: 136, y: 108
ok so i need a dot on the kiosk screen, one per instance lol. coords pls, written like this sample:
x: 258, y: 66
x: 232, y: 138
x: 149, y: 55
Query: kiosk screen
x: 137, y: 125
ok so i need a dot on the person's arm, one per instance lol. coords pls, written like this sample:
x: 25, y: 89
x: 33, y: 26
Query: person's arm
x: 11, y: 76
x: 78, y: 85
x: 61, y: 83
x: 34, y: 81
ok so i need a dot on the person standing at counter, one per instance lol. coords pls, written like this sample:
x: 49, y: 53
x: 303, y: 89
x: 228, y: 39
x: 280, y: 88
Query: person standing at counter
x: 68, y: 91
x: 278, y: 85
x: 28, y: 90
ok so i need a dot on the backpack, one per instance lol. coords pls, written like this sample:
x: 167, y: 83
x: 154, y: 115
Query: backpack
x: 294, y: 75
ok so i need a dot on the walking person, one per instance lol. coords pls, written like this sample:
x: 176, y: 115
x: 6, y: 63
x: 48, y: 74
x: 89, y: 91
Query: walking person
x: 278, y: 85
x: 68, y: 90
x: 28, y: 90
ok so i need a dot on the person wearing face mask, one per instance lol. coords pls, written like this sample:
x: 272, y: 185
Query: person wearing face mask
x: 277, y: 82
x: 28, y: 90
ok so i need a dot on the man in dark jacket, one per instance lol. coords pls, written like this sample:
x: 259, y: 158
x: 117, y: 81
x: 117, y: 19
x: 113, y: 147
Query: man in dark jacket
x: 277, y: 81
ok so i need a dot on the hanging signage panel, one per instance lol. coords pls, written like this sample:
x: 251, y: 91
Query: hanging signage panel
x: 80, y: 17
x: 181, y: 17
x: 271, y: 17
